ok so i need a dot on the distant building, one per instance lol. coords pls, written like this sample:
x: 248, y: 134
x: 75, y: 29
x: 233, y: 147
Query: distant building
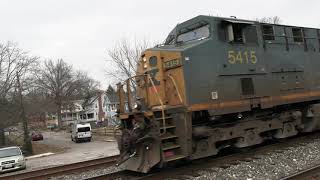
x: 111, y: 103
x: 72, y: 113
x: 95, y: 110
x: 51, y: 120
x: 76, y: 111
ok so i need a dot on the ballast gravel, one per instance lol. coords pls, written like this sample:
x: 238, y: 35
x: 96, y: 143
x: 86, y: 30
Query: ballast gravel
x: 87, y: 174
x: 273, y: 165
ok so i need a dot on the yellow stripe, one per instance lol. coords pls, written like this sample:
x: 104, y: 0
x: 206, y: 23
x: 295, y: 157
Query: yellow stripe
x: 241, y: 103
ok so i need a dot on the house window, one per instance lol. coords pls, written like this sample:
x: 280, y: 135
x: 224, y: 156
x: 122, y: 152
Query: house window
x: 90, y: 116
x: 297, y: 34
x: 268, y: 32
x: 247, y: 86
x: 83, y: 116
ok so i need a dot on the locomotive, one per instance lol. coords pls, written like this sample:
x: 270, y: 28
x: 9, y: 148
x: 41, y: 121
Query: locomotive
x: 216, y: 83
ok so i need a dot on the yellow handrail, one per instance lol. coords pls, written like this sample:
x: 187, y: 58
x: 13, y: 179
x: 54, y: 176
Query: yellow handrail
x: 157, y: 94
x: 175, y: 86
x: 161, y: 103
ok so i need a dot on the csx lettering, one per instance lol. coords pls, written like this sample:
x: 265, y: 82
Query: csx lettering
x: 242, y: 57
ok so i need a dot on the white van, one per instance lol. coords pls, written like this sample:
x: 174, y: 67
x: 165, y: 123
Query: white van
x: 81, y: 132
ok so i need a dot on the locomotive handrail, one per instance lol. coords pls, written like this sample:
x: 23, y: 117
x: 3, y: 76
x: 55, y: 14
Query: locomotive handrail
x: 120, y: 89
x: 161, y: 103
x: 121, y: 102
x: 176, y: 87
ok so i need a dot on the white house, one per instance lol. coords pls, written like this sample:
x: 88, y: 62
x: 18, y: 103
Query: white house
x: 94, y: 111
x: 111, y: 103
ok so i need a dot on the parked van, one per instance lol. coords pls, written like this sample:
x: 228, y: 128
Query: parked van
x: 81, y: 132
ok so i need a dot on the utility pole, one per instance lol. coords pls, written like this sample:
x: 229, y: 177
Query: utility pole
x: 27, y: 146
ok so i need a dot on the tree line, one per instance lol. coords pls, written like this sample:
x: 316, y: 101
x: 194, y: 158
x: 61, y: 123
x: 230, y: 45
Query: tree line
x: 31, y: 86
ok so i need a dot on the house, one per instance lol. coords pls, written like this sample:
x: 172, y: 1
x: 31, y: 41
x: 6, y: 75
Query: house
x: 94, y: 110
x: 111, y: 103
x: 72, y: 112
x: 88, y: 111
x: 51, y: 120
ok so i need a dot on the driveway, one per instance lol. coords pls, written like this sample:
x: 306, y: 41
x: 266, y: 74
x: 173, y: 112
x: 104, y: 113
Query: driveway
x: 66, y: 151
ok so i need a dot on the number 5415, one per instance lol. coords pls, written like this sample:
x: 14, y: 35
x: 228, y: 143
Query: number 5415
x: 242, y: 57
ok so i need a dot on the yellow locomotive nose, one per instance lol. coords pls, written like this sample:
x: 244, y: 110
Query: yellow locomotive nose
x: 159, y: 85
x: 165, y: 70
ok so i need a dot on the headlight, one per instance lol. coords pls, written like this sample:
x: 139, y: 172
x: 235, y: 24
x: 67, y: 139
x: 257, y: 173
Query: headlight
x: 21, y: 160
x: 137, y: 106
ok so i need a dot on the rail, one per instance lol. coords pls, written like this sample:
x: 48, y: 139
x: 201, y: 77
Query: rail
x: 310, y: 173
x: 62, y: 170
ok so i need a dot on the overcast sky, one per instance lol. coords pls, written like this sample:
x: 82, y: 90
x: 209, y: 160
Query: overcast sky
x: 81, y: 31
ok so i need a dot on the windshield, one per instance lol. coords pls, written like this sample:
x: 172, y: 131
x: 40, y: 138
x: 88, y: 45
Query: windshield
x: 84, y: 129
x: 10, y: 152
x: 195, y: 34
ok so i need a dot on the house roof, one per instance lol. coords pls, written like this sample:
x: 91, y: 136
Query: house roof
x: 112, y: 96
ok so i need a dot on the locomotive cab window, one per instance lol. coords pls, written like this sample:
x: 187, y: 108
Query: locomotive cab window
x: 241, y: 32
x: 268, y: 32
x: 235, y: 33
x: 193, y: 34
x: 297, y: 34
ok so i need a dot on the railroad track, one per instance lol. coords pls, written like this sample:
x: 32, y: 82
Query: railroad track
x: 224, y: 161
x: 62, y: 170
x: 190, y: 169
x: 123, y: 175
x: 310, y: 173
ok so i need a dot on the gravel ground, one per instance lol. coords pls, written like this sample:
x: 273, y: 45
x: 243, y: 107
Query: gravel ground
x: 87, y: 174
x: 271, y: 166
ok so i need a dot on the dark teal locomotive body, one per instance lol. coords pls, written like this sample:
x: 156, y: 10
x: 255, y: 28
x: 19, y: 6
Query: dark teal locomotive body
x: 266, y: 64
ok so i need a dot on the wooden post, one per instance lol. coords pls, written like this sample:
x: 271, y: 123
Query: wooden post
x: 129, y: 96
x: 121, y: 98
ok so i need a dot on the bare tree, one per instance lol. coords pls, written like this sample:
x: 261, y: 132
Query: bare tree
x: 37, y: 104
x: 124, y: 58
x: 63, y: 83
x: 14, y: 63
x: 271, y: 20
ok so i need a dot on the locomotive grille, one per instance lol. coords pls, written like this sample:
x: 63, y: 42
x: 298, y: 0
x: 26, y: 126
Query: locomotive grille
x: 247, y: 86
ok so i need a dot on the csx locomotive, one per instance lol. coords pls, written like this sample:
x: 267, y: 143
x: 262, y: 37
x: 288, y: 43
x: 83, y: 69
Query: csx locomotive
x: 216, y: 83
